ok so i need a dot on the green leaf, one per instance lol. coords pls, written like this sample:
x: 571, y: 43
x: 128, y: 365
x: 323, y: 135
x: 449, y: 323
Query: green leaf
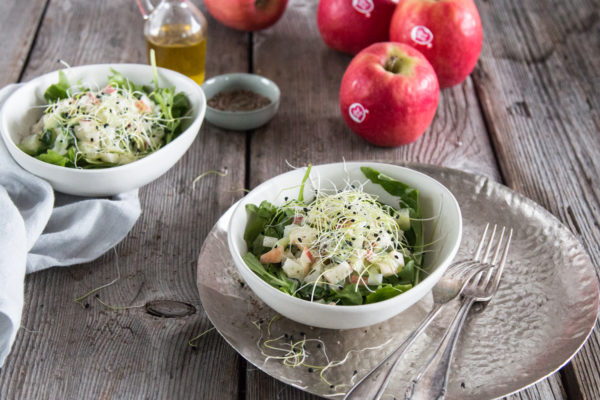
x: 280, y: 282
x: 386, y: 292
x: 58, y: 90
x: 181, y: 105
x: 52, y: 157
x: 118, y: 80
x: 258, y: 218
x: 349, y: 296
x: 407, y: 274
x: 407, y: 194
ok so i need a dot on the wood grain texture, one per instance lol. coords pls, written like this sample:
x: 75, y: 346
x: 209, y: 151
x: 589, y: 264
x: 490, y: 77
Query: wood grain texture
x: 19, y: 21
x: 309, y: 128
x: 539, y: 90
x: 66, y: 351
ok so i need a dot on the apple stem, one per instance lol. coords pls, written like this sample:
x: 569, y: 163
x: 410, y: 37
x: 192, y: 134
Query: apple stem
x: 393, y: 64
x: 261, y: 3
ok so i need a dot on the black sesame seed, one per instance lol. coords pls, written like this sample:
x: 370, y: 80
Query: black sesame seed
x: 285, y: 198
x: 87, y: 305
x: 355, y: 372
x: 310, y: 370
x: 106, y: 125
x: 302, y: 334
x: 261, y: 321
x: 331, y: 386
x: 318, y: 345
x: 97, y: 296
x: 300, y: 240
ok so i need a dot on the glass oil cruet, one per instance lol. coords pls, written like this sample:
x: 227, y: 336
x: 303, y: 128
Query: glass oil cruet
x: 176, y: 30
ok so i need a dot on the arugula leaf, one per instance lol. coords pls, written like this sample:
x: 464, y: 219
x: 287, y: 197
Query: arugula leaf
x: 349, y: 296
x: 258, y: 218
x: 52, y: 157
x: 281, y: 282
x: 407, y: 194
x: 181, y: 105
x: 58, y: 91
x: 118, y: 80
x: 407, y: 274
x: 387, y: 292
x: 306, y: 292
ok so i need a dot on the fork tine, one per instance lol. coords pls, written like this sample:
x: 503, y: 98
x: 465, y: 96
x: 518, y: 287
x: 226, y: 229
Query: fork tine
x: 490, y: 243
x: 500, y: 268
x: 497, y: 252
x: 481, y: 242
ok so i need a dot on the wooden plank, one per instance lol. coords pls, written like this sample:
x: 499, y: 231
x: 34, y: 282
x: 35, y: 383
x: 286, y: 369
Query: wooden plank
x: 19, y: 21
x: 309, y: 128
x: 539, y: 88
x: 70, y: 352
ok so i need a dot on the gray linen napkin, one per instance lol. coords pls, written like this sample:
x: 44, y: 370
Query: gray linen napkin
x: 40, y: 229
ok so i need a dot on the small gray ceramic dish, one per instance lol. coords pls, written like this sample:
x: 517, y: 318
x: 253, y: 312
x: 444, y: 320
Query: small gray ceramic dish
x: 241, y: 120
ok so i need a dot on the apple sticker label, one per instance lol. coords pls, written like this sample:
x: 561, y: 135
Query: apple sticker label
x: 357, y: 112
x: 421, y: 35
x: 363, y: 6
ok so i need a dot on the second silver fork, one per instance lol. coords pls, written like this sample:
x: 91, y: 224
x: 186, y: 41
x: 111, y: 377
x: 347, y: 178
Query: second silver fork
x: 431, y: 383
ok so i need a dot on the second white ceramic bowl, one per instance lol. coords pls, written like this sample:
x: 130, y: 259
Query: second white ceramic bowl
x: 443, y: 229
x: 22, y: 110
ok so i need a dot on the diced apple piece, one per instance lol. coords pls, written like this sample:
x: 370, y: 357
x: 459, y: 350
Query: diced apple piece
x: 338, y: 273
x: 314, y: 274
x: 306, y: 258
x: 357, y: 261
x: 272, y: 256
x: 375, y: 279
x: 270, y: 241
x: 294, y: 269
x: 303, y: 236
x: 391, y: 263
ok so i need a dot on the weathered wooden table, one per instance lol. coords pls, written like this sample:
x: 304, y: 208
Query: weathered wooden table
x: 529, y: 117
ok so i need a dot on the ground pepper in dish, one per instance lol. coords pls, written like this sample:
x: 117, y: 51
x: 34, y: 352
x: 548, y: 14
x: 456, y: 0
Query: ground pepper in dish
x: 238, y: 100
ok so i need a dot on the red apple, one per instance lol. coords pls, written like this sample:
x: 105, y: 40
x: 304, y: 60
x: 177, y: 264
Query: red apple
x: 447, y: 32
x: 351, y: 25
x: 246, y: 15
x: 389, y: 94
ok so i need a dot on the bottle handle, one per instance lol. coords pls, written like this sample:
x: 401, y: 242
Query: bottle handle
x: 146, y: 7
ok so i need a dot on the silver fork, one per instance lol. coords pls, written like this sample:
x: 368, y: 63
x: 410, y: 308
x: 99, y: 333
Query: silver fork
x: 449, y: 287
x: 431, y: 383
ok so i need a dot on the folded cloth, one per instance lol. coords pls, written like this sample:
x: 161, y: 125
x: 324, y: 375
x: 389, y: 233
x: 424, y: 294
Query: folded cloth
x: 40, y: 229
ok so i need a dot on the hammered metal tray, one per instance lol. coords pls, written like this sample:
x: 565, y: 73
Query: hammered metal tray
x: 544, y: 310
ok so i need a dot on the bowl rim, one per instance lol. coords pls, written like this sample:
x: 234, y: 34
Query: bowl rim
x: 272, y: 104
x: 363, y: 307
x: 9, y: 142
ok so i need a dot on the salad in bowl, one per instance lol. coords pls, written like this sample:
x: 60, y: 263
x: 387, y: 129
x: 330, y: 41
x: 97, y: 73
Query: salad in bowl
x: 99, y: 130
x: 345, y: 245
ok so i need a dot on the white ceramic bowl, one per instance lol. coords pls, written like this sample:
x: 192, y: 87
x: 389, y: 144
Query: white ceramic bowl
x: 21, y: 111
x: 443, y: 232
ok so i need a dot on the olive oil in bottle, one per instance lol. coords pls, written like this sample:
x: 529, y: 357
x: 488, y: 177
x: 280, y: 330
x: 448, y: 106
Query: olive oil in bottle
x: 186, y: 56
x: 176, y: 31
